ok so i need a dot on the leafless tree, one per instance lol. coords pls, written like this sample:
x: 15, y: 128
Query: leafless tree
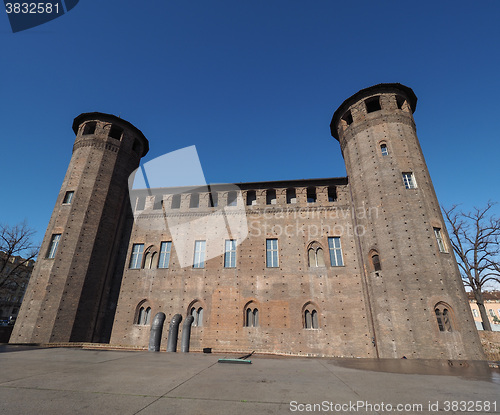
x: 16, y: 242
x: 475, y: 237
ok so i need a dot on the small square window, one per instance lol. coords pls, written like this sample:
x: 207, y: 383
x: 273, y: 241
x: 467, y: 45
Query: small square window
x: 115, y: 132
x: 194, y: 202
x: 89, y: 128
x: 409, y: 181
x: 176, y: 201
x: 214, y: 199
x: 332, y: 194
x: 373, y: 104
x: 68, y: 197
x: 232, y: 199
x: 271, y: 197
x: 251, y: 198
x: 311, y: 195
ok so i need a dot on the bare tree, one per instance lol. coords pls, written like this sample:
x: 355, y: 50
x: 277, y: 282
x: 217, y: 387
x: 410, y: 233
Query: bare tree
x: 475, y: 237
x: 16, y: 250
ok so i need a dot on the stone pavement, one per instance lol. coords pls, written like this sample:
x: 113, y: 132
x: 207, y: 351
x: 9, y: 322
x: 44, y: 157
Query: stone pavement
x: 75, y: 381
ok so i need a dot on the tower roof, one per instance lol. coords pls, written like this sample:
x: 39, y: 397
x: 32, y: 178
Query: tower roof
x: 111, y: 118
x: 379, y: 88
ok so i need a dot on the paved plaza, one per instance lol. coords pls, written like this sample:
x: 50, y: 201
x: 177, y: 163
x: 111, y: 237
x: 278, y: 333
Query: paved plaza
x: 76, y: 381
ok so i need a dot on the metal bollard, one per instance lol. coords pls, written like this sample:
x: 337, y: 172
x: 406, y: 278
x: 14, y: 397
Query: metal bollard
x: 156, y: 330
x: 186, y: 334
x: 173, y: 333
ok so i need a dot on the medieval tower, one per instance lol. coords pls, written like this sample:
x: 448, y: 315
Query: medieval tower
x: 408, y: 265
x: 356, y: 266
x: 67, y: 295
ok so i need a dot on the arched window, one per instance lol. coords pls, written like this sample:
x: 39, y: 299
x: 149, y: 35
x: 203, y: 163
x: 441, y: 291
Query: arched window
x: 291, y: 196
x: 310, y: 315
x: 315, y: 255
x: 144, y: 314
x: 197, y: 313
x: 251, y: 316
x: 443, y: 317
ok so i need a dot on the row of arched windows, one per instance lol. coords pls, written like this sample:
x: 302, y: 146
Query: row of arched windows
x: 310, y: 316
x: 251, y: 314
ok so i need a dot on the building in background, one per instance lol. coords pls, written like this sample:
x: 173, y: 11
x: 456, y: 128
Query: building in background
x: 492, y: 305
x: 359, y: 266
x: 12, y: 291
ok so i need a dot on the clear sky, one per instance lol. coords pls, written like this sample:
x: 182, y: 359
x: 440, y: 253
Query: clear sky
x: 253, y: 84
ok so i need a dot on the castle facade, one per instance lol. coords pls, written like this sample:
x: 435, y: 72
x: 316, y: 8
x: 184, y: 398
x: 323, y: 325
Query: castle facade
x: 358, y: 266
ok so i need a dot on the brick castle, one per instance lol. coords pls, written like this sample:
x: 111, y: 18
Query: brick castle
x: 358, y: 266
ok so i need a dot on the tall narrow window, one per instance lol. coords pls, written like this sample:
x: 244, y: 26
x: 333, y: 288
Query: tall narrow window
x: 439, y: 239
x: 232, y: 198
x: 311, y: 194
x: 164, y: 259
x: 176, y: 201
x: 271, y: 197
x: 68, y: 197
x: 291, y: 196
x: 230, y: 254
x: 251, y: 198
x: 54, y: 242
x: 409, y: 181
x: 136, y: 256
x: 199, y: 254
x: 194, y: 202
x: 336, y: 259
x: 384, y: 150
x: 197, y: 313
x: 272, y: 253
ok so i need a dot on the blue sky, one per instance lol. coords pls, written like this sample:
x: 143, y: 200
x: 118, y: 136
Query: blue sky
x: 253, y: 84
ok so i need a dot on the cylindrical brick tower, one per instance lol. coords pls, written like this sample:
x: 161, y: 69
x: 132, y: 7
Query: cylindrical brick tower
x: 67, y: 295
x: 418, y: 303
